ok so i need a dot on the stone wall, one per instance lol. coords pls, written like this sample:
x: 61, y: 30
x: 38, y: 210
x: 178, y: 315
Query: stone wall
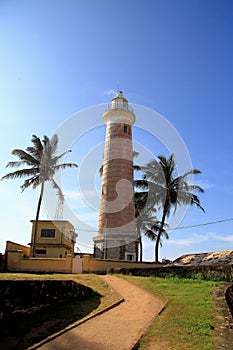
x: 1, y: 262
x: 29, y: 295
x: 229, y: 298
x: 215, y: 272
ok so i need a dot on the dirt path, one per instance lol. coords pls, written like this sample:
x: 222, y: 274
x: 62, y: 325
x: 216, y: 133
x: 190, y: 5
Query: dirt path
x: 224, y: 327
x: 117, y: 329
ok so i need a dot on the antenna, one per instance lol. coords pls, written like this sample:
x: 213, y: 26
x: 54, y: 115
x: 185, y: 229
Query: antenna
x: 119, y: 90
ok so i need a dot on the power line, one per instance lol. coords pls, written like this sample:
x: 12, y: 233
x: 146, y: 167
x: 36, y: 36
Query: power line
x: 178, y: 228
x: 203, y: 224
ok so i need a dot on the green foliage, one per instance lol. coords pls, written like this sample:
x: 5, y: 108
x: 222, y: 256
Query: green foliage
x: 167, y: 192
x: 40, y: 163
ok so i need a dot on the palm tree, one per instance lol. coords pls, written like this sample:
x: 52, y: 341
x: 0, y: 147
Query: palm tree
x: 146, y: 220
x: 167, y: 191
x: 140, y: 199
x: 41, y: 165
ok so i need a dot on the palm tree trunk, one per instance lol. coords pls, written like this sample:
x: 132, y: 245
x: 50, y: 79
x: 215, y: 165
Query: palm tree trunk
x: 37, y: 219
x: 160, y: 233
x: 140, y: 243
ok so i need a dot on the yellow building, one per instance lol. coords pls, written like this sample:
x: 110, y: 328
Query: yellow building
x: 54, y: 239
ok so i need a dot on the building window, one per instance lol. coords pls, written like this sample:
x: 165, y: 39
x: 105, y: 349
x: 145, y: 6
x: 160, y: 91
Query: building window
x: 67, y: 236
x: 126, y: 129
x: 130, y: 256
x: 46, y: 233
x: 41, y: 251
x: 104, y: 189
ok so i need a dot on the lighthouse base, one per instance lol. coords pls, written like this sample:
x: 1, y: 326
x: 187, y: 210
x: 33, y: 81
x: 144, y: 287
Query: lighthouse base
x: 115, y: 249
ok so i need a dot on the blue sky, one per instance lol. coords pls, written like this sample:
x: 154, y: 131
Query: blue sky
x: 171, y: 56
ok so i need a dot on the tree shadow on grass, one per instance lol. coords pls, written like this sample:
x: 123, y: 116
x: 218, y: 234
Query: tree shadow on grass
x: 21, y: 330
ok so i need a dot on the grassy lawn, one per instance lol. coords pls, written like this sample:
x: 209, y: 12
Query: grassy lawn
x: 20, y: 331
x: 188, y: 321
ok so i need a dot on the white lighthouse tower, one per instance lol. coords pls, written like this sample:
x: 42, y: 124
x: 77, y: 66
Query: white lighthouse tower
x: 116, y: 237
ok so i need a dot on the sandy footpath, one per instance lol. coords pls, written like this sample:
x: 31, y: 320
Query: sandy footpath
x: 116, y: 329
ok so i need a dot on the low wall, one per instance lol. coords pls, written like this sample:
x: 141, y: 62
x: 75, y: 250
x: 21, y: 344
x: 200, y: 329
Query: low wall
x: 91, y: 265
x: 1, y: 262
x: 30, y: 295
x: 215, y: 272
x: 229, y: 298
x: 16, y: 263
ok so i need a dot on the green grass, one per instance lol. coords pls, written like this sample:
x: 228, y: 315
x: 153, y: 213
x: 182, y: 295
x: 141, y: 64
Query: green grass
x: 187, y: 323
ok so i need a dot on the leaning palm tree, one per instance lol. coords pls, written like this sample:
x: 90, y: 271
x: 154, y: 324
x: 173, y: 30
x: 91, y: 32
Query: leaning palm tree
x: 167, y: 191
x: 41, y: 164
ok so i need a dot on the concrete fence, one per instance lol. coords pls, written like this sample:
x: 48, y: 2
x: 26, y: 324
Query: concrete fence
x: 17, y: 263
x: 92, y: 265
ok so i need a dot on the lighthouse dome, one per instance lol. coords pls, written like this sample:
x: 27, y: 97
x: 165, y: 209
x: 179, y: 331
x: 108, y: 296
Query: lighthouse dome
x: 119, y: 111
x: 119, y: 101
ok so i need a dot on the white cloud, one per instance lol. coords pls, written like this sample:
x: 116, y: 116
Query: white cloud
x: 185, y: 242
x: 193, y: 239
x: 204, y: 184
x: 79, y: 201
x: 216, y: 237
x: 88, y: 217
x: 200, y: 238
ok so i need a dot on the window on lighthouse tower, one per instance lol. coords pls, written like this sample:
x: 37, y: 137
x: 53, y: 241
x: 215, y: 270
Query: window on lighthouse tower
x: 104, y: 190
x: 125, y: 129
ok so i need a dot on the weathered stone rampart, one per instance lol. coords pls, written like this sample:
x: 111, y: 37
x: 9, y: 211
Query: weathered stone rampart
x: 27, y: 296
x: 215, y: 272
x: 229, y: 298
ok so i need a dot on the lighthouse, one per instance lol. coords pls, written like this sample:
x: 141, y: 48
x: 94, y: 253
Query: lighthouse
x: 117, y: 239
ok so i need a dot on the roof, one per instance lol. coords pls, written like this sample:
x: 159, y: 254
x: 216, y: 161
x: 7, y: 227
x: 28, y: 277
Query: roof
x: 51, y: 221
x: 120, y: 95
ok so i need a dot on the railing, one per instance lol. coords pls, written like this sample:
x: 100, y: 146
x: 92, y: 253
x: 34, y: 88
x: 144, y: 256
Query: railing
x: 119, y: 106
